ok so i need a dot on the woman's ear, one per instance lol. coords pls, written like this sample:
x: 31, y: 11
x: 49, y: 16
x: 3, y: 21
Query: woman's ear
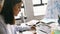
x: 1, y: 4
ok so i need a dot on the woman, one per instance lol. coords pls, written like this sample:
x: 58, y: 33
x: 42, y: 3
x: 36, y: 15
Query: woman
x: 10, y: 9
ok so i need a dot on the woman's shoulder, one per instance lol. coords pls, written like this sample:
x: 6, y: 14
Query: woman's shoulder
x: 1, y: 19
x: 2, y: 26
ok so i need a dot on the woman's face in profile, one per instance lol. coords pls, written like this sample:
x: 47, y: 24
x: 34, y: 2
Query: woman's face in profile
x: 17, y: 8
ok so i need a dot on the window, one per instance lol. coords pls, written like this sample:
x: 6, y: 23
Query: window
x: 36, y: 1
x: 39, y: 7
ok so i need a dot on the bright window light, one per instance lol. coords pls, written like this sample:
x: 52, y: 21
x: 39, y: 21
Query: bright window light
x: 39, y: 10
x: 36, y: 1
x: 44, y: 1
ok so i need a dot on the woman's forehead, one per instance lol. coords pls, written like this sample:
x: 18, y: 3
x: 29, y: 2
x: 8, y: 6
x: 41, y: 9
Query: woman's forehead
x: 19, y: 3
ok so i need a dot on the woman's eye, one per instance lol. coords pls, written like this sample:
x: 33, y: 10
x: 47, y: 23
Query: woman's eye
x: 19, y: 7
